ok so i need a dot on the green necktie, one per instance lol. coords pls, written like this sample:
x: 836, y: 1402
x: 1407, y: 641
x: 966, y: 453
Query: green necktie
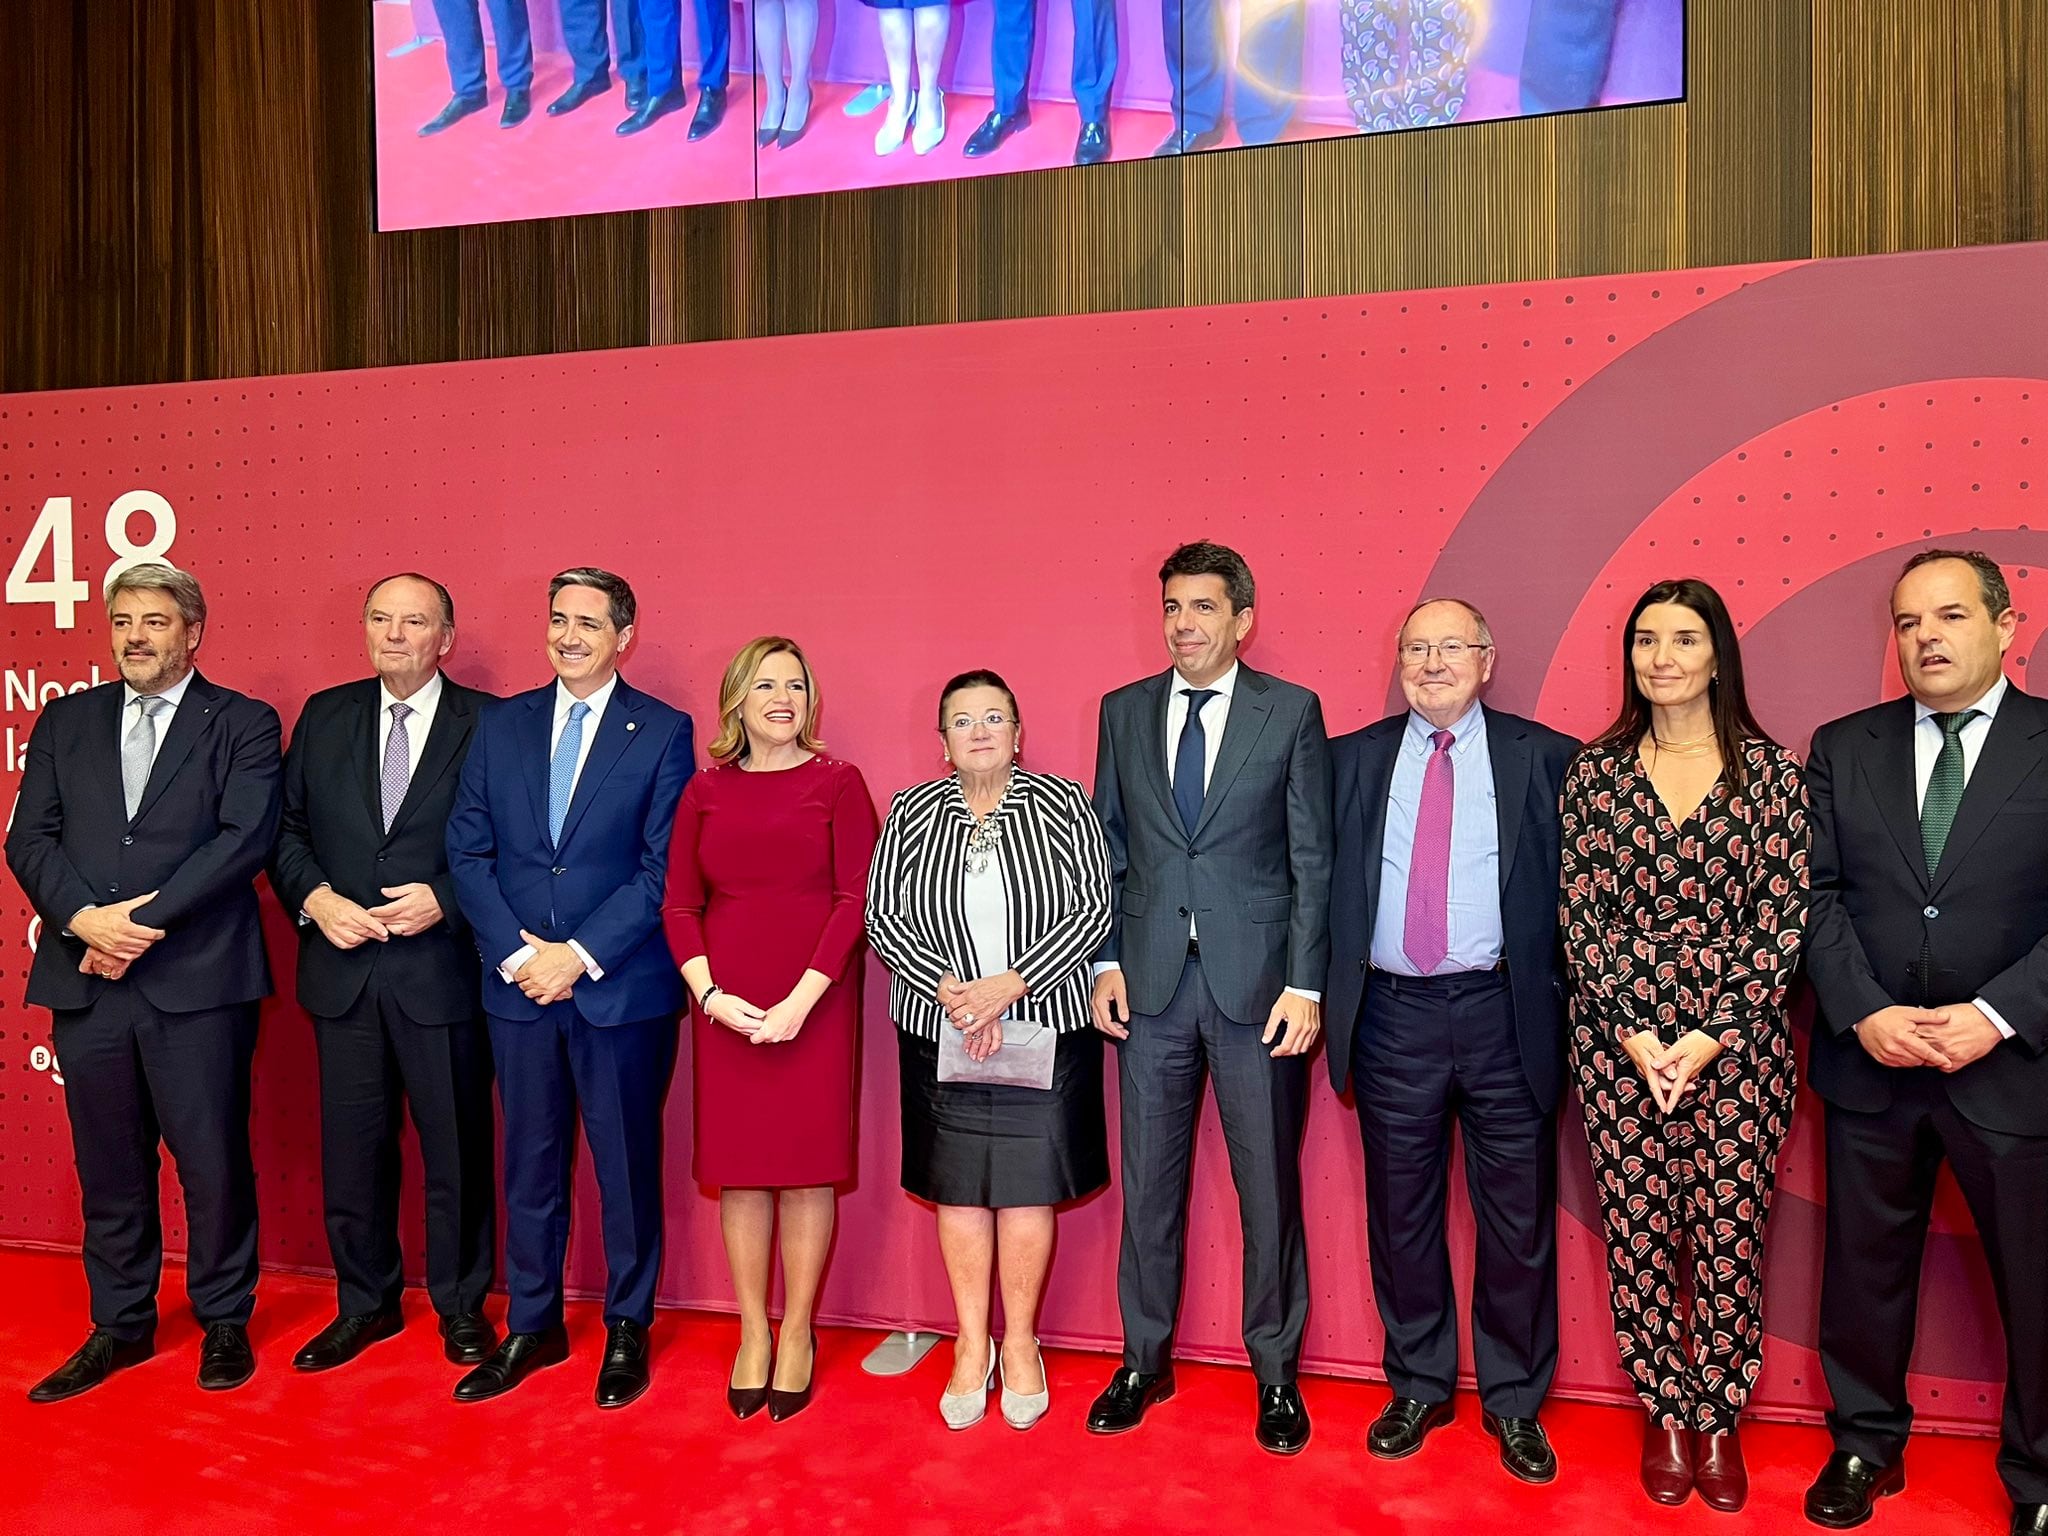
x: 1944, y: 788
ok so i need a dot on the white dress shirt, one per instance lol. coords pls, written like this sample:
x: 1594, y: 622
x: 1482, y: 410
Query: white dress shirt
x: 1215, y: 716
x: 564, y: 702
x: 171, y: 698
x: 423, y: 704
x: 1927, y: 747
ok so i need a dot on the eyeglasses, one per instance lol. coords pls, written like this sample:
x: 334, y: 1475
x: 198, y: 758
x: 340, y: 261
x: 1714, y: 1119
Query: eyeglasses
x: 1416, y: 652
x: 995, y: 720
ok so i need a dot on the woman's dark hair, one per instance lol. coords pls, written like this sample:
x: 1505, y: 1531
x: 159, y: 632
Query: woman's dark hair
x: 1734, y: 725
x: 980, y: 677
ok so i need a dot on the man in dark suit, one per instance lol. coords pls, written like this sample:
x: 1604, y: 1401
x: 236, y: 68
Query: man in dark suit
x: 559, y: 847
x: 1266, y: 70
x: 462, y: 39
x: 389, y: 973
x: 1094, y: 71
x: 146, y: 809
x: 1928, y: 949
x: 1445, y: 997
x: 1213, y: 785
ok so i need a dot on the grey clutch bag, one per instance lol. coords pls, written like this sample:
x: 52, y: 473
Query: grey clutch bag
x: 1023, y: 1060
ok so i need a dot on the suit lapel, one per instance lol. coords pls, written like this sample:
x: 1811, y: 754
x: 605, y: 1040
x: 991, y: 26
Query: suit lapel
x: 106, y: 756
x: 2012, y: 750
x: 1509, y: 749
x: 1152, y: 741
x: 1888, y: 768
x: 1249, y: 710
x: 615, y: 733
x: 1375, y: 783
x: 453, y: 722
x: 535, y: 748
x: 192, y: 719
x: 368, y: 767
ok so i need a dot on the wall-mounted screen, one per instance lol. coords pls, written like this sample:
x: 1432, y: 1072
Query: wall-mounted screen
x: 516, y: 109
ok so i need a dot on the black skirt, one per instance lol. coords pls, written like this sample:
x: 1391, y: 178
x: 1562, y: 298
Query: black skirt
x: 995, y: 1146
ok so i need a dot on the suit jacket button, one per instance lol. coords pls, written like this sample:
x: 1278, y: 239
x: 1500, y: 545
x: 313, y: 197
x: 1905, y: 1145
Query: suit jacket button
x: 126, y: 839
x: 113, y: 890
x: 1183, y: 911
x: 558, y: 871
x: 1930, y: 911
x: 380, y: 858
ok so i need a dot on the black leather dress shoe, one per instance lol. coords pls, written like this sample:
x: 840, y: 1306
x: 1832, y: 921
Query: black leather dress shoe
x: 457, y: 109
x: 636, y: 92
x: 1847, y: 1487
x: 1402, y: 1425
x: 2030, y: 1520
x: 345, y: 1338
x: 994, y: 129
x: 652, y: 113
x: 624, y: 1374
x: 225, y: 1358
x: 581, y: 92
x: 1524, y: 1448
x: 468, y: 1338
x: 1185, y: 141
x: 1283, y: 1420
x: 709, y: 114
x: 91, y: 1363
x: 512, y: 1362
x: 1092, y: 147
x: 518, y: 107
x: 1123, y: 1402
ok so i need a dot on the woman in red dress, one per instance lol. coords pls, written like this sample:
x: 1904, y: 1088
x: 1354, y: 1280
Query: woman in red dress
x: 767, y: 876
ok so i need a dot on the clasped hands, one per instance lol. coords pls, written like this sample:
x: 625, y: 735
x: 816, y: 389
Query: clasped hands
x: 550, y: 973
x: 1671, y: 1070
x: 764, y: 1026
x: 410, y: 909
x: 976, y: 1009
x: 1949, y: 1037
x: 114, y: 940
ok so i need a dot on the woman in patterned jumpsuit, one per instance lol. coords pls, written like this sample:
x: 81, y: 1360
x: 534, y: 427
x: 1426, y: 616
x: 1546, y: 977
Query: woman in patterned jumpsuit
x: 1684, y: 903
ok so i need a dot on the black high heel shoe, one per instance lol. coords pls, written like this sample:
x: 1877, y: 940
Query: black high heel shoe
x: 787, y: 1405
x: 745, y: 1402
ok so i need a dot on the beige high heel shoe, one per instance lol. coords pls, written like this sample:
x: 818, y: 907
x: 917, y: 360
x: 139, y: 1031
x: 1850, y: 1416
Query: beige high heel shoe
x: 1021, y: 1410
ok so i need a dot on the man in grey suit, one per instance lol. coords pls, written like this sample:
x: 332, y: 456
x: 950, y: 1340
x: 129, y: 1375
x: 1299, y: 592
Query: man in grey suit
x: 1213, y: 785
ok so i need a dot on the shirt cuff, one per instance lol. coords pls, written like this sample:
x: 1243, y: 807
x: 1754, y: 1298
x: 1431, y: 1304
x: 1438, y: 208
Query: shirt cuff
x: 306, y: 917
x: 508, y: 968
x: 1104, y: 967
x: 1314, y: 997
x: 1997, y: 1019
x: 590, y: 966
x: 93, y: 907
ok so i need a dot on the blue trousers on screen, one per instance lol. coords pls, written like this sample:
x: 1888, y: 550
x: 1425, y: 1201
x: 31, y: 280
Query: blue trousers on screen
x: 1016, y: 34
x: 617, y: 1076
x: 583, y: 32
x: 462, y: 38
x: 1268, y: 66
x: 1564, y: 60
x: 714, y: 43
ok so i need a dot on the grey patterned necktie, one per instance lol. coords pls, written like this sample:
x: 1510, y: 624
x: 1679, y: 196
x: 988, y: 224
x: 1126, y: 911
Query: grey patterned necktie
x: 397, y: 763
x: 1944, y: 788
x: 138, y: 752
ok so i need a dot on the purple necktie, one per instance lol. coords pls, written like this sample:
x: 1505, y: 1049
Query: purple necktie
x: 398, y: 764
x: 1426, y: 939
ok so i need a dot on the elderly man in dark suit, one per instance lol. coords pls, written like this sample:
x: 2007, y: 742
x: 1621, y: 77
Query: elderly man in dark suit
x: 389, y: 973
x: 1213, y: 785
x: 1928, y: 949
x: 147, y: 807
x: 1445, y: 1000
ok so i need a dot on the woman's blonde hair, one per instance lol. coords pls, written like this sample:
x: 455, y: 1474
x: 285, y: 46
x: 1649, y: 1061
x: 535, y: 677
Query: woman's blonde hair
x: 731, y: 744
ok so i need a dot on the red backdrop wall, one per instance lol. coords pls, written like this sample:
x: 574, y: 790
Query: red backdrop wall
x: 910, y: 503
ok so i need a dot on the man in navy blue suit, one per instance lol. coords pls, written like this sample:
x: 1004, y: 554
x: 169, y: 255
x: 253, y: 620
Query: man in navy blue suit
x: 1445, y: 999
x: 558, y: 844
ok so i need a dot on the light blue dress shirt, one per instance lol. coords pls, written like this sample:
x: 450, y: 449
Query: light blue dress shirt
x: 1475, y: 926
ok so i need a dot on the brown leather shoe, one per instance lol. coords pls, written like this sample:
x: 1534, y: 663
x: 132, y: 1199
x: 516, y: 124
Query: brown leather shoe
x: 1719, y: 1476
x: 1667, y: 1462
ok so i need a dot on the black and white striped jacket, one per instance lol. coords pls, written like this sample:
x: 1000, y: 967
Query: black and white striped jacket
x: 1055, y: 867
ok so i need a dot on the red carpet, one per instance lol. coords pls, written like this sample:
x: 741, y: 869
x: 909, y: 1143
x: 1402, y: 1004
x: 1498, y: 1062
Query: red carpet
x: 479, y: 173
x: 378, y: 1446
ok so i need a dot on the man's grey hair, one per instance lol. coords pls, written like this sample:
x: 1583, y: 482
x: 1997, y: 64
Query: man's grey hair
x: 161, y: 576
x: 1478, y: 618
x: 618, y: 593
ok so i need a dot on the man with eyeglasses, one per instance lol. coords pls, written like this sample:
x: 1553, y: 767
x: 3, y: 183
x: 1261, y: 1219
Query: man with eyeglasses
x: 1445, y: 999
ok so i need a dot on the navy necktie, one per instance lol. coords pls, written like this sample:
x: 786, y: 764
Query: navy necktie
x: 1190, y: 760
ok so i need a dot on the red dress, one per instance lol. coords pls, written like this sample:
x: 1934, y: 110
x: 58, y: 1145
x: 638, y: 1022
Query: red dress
x: 767, y: 879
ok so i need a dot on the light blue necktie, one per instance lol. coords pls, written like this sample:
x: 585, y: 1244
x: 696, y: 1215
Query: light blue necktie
x: 562, y: 771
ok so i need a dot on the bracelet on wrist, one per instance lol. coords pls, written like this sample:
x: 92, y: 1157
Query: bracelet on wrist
x: 704, y: 999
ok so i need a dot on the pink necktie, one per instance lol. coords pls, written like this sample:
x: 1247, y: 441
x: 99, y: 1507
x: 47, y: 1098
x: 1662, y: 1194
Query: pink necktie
x: 1426, y: 938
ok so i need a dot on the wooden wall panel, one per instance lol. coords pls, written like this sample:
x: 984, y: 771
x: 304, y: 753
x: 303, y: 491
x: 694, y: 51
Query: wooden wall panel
x: 186, y: 193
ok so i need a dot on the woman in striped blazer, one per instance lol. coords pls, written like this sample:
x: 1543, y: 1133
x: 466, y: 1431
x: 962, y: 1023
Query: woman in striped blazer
x: 988, y: 894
